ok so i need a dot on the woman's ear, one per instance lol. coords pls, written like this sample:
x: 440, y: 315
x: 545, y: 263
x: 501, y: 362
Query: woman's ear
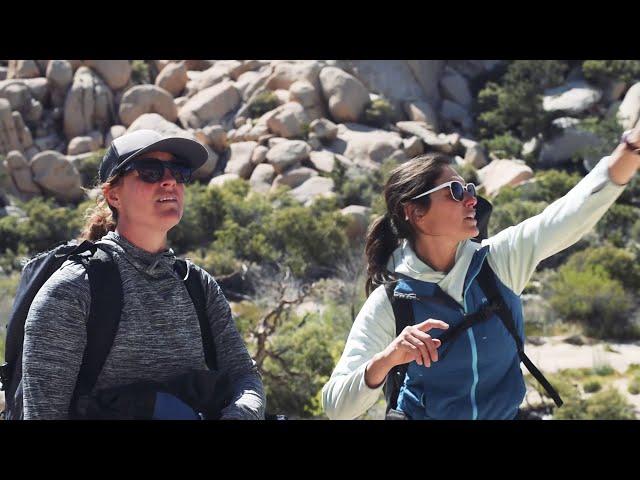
x: 111, y: 194
x: 408, y: 210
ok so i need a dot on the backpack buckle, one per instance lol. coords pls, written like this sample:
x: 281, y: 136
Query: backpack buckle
x: 4, y: 376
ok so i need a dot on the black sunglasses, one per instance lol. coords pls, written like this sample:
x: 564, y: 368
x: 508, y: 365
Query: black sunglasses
x: 151, y: 170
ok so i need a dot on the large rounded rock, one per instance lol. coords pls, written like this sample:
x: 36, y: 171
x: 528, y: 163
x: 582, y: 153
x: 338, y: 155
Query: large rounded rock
x: 432, y: 141
x: 115, y: 73
x: 288, y: 153
x: 88, y: 106
x: 250, y: 82
x: 259, y: 155
x: 14, y: 134
x: 572, y: 98
x: 358, y: 221
x: 412, y: 147
x: 262, y: 177
x: 401, y: 80
x: 294, y: 177
x: 143, y: 99
x: 84, y: 144
x: 153, y: 121
x: 114, y: 132
x: 304, y: 93
x: 323, y: 161
x: 286, y: 73
x: 629, y: 110
x: 324, y: 129
x: 209, y: 105
x: 240, y: 159
x: 368, y: 147
x: 57, y: 175
x: 23, y: 69
x: 21, y: 175
x: 475, y: 155
x: 420, y: 111
x: 24, y: 96
x: 455, y: 115
x: 60, y: 74
x: 501, y: 173
x: 347, y: 96
x: 288, y: 121
x: 456, y: 88
x: 220, y: 180
x: 217, y: 137
x: 173, y: 78
x: 571, y: 141
x: 312, y: 189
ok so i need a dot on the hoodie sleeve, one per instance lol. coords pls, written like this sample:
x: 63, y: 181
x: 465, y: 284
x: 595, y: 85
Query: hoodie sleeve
x: 346, y: 395
x: 516, y: 251
x: 248, y: 401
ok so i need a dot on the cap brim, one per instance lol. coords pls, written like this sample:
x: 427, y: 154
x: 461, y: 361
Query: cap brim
x: 188, y: 151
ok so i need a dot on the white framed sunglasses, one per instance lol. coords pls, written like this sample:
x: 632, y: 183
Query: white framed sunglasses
x: 455, y: 188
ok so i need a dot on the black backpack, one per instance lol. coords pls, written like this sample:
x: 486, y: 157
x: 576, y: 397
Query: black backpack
x: 403, y: 313
x: 104, y: 315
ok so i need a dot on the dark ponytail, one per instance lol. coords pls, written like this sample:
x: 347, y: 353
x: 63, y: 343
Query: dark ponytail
x: 382, y: 240
x: 385, y: 233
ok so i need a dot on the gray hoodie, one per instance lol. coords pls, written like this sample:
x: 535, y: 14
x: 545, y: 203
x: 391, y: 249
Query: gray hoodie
x: 158, y: 336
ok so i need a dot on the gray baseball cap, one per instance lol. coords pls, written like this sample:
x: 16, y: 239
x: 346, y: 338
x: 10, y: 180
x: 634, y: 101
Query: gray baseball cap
x: 131, y: 145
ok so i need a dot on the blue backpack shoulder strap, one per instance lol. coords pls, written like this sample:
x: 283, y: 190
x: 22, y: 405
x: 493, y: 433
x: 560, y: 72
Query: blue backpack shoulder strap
x: 403, y: 313
x: 193, y: 279
x: 488, y: 284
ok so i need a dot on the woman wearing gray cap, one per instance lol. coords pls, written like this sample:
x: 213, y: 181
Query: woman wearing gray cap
x: 158, y: 337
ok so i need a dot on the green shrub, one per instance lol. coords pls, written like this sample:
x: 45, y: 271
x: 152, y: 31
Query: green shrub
x: 88, y: 168
x: 308, y: 349
x: 607, y: 129
x: 379, y: 113
x: 508, y: 214
x: 276, y: 229
x: 363, y: 189
x: 46, y: 225
x: 468, y: 172
x: 547, y: 186
x: 608, y: 404
x: 503, y: 146
x: 617, y: 224
x: 603, y: 370
x: 262, y: 103
x: 602, y: 71
x: 203, y: 215
x: 620, y: 264
x: 634, y: 385
x: 140, y: 72
x: 513, y: 105
x: 216, y: 262
x: 590, y: 297
x: 592, y: 386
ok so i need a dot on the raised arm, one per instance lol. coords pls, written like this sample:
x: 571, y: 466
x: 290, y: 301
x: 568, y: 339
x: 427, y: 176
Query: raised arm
x: 516, y: 251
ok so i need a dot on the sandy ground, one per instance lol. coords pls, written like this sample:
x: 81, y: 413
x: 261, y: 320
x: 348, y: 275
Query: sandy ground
x: 555, y: 354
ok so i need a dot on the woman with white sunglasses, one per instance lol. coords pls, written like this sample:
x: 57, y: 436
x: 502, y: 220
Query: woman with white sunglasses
x: 423, y: 244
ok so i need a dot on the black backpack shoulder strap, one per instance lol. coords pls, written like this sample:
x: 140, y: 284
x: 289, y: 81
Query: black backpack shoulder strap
x: 487, y: 281
x: 104, y: 316
x: 194, y: 282
x: 403, y: 313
